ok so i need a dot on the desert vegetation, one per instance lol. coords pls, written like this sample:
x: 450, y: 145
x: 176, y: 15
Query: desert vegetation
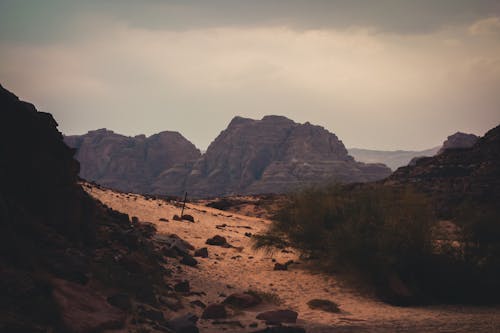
x: 391, y: 238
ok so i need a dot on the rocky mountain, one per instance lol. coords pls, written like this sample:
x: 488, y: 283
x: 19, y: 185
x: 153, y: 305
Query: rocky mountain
x: 398, y: 158
x: 393, y: 159
x: 67, y: 263
x: 459, y: 140
x: 274, y: 154
x: 129, y: 163
x: 457, y: 174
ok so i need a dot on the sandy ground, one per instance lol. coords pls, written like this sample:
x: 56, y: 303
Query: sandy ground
x: 229, y: 270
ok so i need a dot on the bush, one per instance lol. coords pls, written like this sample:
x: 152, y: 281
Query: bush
x: 385, y: 235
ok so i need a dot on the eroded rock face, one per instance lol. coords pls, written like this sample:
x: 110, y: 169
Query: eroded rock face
x: 129, y: 163
x: 459, y: 140
x: 458, y: 174
x: 270, y: 155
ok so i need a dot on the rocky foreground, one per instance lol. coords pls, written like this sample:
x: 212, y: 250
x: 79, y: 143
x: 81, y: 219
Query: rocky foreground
x: 217, y: 266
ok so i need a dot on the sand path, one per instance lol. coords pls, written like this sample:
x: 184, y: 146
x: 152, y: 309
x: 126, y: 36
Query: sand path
x: 229, y: 270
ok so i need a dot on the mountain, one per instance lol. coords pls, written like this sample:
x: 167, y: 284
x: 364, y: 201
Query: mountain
x: 459, y: 140
x: 64, y: 257
x: 274, y: 154
x: 398, y: 158
x: 129, y: 164
x: 393, y: 159
x: 457, y: 175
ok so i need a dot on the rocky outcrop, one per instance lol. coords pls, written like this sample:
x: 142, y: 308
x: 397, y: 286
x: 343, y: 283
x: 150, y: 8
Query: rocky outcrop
x: 129, y: 164
x: 271, y: 155
x: 64, y: 257
x: 458, y: 174
x: 459, y: 140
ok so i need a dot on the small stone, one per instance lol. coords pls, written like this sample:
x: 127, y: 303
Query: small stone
x: 214, y: 311
x: 189, y: 261
x: 203, y: 252
x: 182, y: 286
x: 187, y: 217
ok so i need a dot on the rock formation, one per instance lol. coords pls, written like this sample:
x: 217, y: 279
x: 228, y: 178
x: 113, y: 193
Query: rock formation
x: 459, y: 140
x: 393, y: 159
x: 129, y: 164
x: 271, y: 155
x: 66, y: 261
x: 457, y: 174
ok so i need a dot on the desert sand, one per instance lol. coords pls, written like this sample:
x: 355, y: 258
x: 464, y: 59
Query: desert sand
x: 230, y: 270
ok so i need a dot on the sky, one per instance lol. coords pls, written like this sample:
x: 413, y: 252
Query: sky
x: 385, y: 74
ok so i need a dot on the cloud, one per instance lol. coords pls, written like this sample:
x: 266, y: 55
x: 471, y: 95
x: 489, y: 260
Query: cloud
x: 372, y: 89
x: 487, y: 26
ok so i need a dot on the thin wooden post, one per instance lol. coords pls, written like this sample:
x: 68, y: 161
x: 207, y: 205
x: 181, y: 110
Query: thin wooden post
x: 184, y: 204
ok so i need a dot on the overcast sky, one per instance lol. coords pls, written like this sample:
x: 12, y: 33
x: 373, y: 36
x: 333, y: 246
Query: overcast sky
x: 384, y: 74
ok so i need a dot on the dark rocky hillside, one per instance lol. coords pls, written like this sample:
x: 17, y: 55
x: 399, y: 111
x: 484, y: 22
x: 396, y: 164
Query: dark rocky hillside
x: 272, y: 155
x: 67, y: 263
x: 129, y: 163
x: 457, y: 174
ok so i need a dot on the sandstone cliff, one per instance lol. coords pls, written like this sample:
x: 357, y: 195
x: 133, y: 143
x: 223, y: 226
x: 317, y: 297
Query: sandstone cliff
x: 271, y: 155
x: 129, y: 163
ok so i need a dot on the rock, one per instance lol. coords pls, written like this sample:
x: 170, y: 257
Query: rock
x: 271, y: 155
x: 282, y: 329
x: 182, y: 286
x: 198, y: 303
x: 172, y: 303
x: 242, y: 300
x: 189, y: 261
x: 214, y: 311
x: 82, y: 310
x: 459, y: 140
x: 187, y: 217
x: 278, y: 316
x: 231, y: 323
x: 203, y: 252
x: 324, y: 305
x: 175, y: 243
x: 161, y: 219
x: 218, y: 240
x: 152, y: 314
x: 130, y: 164
x: 184, y: 324
x: 121, y: 301
x: 280, y: 267
x: 176, y: 218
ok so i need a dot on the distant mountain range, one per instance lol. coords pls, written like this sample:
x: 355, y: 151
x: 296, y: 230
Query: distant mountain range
x: 393, y: 159
x: 398, y: 158
x: 274, y: 154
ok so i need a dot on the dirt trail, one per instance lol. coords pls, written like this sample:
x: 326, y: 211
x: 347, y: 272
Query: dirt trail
x: 229, y: 270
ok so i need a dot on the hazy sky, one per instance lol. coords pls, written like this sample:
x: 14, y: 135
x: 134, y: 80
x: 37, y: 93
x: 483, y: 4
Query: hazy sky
x: 385, y: 74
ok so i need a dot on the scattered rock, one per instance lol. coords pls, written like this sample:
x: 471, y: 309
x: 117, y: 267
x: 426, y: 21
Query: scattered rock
x: 182, y: 286
x: 282, y: 329
x: 189, y: 260
x: 152, y: 314
x: 232, y: 323
x: 187, y: 217
x: 218, y: 240
x: 203, y: 252
x: 198, y: 303
x: 324, y: 305
x: 184, y: 324
x: 163, y: 219
x: 214, y: 311
x: 121, y: 301
x: 242, y: 300
x: 278, y: 316
x: 172, y: 303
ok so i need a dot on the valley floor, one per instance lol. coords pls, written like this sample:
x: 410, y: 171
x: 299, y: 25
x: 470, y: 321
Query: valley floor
x: 229, y: 270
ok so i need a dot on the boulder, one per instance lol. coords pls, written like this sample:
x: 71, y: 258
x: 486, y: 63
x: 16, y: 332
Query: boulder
x: 278, y: 316
x: 203, y: 252
x: 189, y: 260
x: 187, y: 217
x: 214, y: 311
x: 242, y: 300
x: 324, y: 305
x: 184, y: 324
x: 218, y: 240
